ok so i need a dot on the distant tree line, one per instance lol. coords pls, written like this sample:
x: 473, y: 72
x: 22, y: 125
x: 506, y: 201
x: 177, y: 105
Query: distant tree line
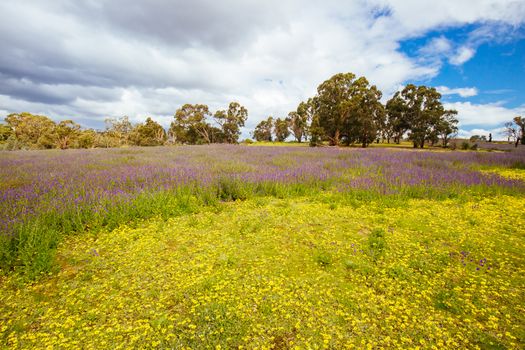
x: 347, y: 110
x: 191, y: 125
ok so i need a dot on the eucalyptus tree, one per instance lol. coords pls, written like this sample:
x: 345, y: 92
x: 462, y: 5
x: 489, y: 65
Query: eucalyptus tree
x: 421, y: 110
x: 281, y: 129
x: 119, y: 128
x: 31, y: 131
x: 65, y: 134
x: 263, y: 130
x: 150, y: 133
x: 349, y: 109
x: 190, y: 125
x: 299, y: 119
x: 397, y: 123
x: 365, y: 113
x: 447, y: 126
x: 331, y: 104
x: 231, y: 121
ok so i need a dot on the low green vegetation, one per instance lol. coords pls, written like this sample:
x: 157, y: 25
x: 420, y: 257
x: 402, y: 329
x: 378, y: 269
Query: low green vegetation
x: 307, y: 272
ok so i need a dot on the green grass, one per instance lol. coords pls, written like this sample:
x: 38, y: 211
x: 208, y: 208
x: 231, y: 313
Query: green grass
x: 322, y: 270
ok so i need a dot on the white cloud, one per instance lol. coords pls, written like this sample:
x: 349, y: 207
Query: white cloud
x: 437, y: 46
x: 463, y: 92
x: 462, y: 55
x: 490, y: 115
x: 498, y: 134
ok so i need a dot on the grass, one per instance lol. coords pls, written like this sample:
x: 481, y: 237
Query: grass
x: 278, y: 273
x: 269, y: 263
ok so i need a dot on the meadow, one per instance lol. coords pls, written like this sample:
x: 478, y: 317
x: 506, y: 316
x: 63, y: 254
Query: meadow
x: 230, y: 246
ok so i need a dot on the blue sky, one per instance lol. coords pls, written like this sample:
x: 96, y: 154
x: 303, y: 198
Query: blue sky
x: 492, y: 72
x: 496, y: 69
x: 90, y: 60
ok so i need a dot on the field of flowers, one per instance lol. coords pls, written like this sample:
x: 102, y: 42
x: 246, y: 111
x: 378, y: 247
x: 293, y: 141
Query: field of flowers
x: 262, y: 247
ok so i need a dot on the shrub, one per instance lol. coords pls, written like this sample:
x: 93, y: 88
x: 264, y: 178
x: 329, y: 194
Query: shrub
x: 465, y: 145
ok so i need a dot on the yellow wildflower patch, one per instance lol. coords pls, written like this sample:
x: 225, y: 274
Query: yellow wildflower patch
x: 273, y: 273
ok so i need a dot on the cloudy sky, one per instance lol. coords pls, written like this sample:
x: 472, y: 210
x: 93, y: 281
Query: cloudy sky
x: 93, y: 59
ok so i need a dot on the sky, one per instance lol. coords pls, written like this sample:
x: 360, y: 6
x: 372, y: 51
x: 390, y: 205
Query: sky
x: 96, y: 59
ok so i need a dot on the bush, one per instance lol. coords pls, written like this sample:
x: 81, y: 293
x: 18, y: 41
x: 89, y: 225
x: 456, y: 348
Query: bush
x: 465, y: 145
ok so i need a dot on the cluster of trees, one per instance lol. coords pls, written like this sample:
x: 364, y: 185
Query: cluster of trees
x: 190, y: 126
x: 348, y: 110
x: 28, y: 131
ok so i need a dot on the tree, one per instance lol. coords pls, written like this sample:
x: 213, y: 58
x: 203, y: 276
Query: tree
x: 28, y: 129
x: 263, y: 130
x: 331, y: 105
x: 447, y: 126
x: 5, y: 133
x: 190, y: 125
x: 120, y: 128
x: 281, y: 130
x: 66, y: 133
x: 349, y: 110
x: 520, y: 122
x: 397, y: 123
x: 421, y: 110
x: 150, y: 133
x: 365, y: 113
x: 316, y: 132
x: 86, y: 139
x: 511, y: 131
x: 298, y: 120
x: 231, y: 121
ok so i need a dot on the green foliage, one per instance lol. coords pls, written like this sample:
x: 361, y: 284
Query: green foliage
x: 86, y: 139
x: 66, y: 134
x: 298, y: 121
x: 148, y: 134
x: 345, y: 110
x: 418, y: 109
x: 465, y: 145
x: 120, y: 129
x: 231, y: 122
x: 31, y: 131
x: 5, y: 133
x: 323, y: 258
x: 316, y: 133
x: 190, y: 125
x: 263, y: 130
x: 281, y: 129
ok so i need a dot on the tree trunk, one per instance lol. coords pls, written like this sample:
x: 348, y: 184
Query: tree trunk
x: 336, y: 138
